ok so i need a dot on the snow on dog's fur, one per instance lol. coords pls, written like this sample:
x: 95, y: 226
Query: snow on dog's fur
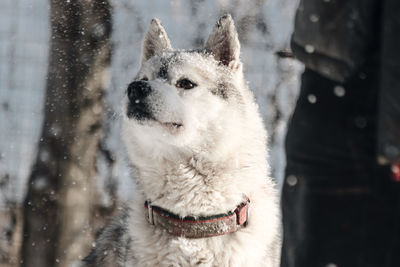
x: 198, y: 146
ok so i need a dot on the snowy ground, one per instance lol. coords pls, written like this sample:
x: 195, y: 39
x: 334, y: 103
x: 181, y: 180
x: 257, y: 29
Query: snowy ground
x: 264, y: 27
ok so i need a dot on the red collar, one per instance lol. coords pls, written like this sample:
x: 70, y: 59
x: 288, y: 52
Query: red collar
x: 191, y: 227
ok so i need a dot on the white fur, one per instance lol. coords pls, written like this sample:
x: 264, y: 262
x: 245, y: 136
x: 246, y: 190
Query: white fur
x: 206, y: 167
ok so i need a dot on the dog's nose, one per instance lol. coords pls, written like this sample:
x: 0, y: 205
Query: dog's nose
x: 138, y: 90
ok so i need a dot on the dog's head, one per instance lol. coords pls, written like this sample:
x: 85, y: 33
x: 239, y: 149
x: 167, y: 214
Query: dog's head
x: 189, y: 99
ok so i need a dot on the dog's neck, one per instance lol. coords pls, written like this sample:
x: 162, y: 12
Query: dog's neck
x: 198, y: 226
x: 193, y: 186
x: 198, y: 217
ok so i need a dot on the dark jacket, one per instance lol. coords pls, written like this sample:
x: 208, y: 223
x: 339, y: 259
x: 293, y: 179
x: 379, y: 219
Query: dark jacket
x: 335, y: 38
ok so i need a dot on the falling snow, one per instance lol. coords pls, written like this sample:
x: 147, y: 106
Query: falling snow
x: 312, y: 98
x: 23, y: 64
x: 339, y: 91
x: 309, y: 48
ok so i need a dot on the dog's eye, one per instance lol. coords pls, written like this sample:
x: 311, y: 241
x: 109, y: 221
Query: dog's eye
x: 185, y: 84
x: 144, y: 79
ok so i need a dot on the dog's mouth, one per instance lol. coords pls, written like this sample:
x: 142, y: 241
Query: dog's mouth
x: 141, y: 113
x: 172, y: 127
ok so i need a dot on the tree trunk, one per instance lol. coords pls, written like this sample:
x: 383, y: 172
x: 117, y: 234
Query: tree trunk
x: 10, y: 234
x: 61, y: 189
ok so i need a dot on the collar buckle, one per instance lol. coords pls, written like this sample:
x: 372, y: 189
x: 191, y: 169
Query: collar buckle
x: 242, y: 213
x: 149, y: 207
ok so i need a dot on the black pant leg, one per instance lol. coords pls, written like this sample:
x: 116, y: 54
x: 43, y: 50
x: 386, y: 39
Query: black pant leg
x: 337, y: 206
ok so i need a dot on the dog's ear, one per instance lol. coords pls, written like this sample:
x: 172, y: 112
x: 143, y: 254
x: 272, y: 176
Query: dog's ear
x: 223, y: 43
x: 155, y: 41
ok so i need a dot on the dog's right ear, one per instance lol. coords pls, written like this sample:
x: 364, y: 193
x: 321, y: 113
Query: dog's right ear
x: 155, y: 41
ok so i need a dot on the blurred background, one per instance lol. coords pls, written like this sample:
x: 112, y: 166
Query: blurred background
x: 64, y: 67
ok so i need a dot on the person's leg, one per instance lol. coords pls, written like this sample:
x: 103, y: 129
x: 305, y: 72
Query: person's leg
x: 343, y: 226
x: 333, y: 205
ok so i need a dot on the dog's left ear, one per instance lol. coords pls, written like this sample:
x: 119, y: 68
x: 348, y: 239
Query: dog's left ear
x: 155, y: 41
x: 223, y: 43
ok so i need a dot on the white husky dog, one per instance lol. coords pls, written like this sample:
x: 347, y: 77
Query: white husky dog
x: 198, y: 146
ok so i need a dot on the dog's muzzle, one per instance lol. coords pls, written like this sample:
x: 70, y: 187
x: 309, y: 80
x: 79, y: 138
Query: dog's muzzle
x: 137, y: 93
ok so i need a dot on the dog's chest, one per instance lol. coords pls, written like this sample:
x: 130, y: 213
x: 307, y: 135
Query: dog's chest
x: 171, y: 251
